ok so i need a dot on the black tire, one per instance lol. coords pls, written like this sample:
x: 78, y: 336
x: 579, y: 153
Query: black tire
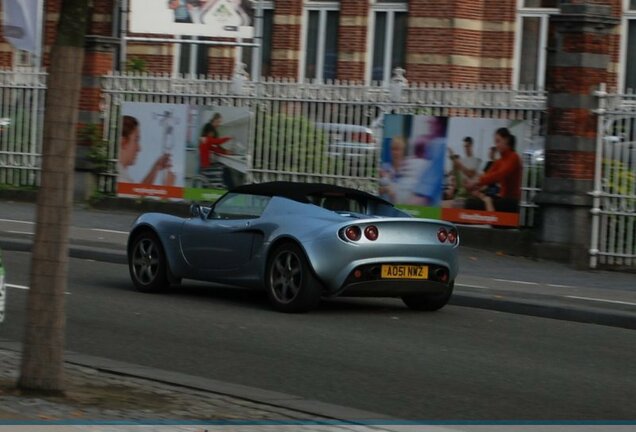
x: 289, y: 280
x: 428, y: 302
x: 147, y: 264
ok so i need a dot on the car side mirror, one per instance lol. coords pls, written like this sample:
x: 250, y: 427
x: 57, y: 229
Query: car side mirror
x: 195, y: 210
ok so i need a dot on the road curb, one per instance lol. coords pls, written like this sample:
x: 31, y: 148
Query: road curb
x: 113, y: 256
x: 252, y: 394
x: 548, y: 309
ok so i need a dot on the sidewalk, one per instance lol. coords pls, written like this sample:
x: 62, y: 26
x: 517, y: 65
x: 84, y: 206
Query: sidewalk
x: 101, y: 389
x: 487, y: 280
x: 95, y: 395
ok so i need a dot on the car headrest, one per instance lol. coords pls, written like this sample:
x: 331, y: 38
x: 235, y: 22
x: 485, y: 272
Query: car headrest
x: 336, y: 204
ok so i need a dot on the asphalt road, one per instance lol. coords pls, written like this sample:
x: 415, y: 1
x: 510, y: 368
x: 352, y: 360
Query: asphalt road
x: 459, y: 363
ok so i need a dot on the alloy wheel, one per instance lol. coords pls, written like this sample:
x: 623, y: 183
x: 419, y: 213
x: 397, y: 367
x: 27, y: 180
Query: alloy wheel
x: 145, y: 261
x: 286, y: 276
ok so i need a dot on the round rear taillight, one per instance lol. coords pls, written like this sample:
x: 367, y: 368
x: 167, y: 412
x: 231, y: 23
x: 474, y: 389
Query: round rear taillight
x: 452, y: 236
x: 442, y: 235
x: 371, y: 232
x: 353, y: 233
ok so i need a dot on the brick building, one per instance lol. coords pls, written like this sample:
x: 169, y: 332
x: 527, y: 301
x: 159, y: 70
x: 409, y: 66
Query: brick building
x: 453, y: 41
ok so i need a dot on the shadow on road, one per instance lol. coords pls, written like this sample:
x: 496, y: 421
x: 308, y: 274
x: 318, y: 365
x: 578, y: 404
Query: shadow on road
x: 257, y: 299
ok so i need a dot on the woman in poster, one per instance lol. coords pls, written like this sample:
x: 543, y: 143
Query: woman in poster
x: 130, y: 147
x: 211, y: 144
x: 506, y: 172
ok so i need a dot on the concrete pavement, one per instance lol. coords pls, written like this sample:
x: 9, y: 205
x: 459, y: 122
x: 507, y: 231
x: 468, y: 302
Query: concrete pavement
x: 103, y: 389
x: 487, y: 280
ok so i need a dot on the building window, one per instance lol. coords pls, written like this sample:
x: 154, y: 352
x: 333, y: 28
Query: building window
x: 630, y: 56
x: 320, y: 41
x: 23, y: 59
x: 551, y: 4
x: 388, y: 49
x: 192, y: 58
x: 247, y: 55
x: 628, y: 47
x: 533, y: 22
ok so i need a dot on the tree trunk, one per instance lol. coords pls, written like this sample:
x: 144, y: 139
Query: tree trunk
x: 42, y: 366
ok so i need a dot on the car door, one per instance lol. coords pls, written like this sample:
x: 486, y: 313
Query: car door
x: 222, y: 241
x: 211, y: 245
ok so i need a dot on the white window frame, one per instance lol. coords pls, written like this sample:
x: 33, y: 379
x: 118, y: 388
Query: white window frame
x: 194, y: 55
x: 627, y: 16
x: 390, y: 8
x: 544, y: 14
x: 255, y: 69
x: 323, y: 7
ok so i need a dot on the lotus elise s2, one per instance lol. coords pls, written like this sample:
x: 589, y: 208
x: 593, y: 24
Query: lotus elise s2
x: 300, y: 242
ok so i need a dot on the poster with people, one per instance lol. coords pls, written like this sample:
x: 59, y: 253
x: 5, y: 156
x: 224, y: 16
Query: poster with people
x: 210, y: 18
x: 151, y: 158
x: 465, y: 170
x: 412, y: 162
x: 174, y: 151
x: 217, y: 146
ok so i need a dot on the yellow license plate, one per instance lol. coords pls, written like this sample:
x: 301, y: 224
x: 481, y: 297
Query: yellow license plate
x: 404, y: 272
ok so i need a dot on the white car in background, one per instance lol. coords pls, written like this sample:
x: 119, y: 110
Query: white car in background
x: 348, y: 140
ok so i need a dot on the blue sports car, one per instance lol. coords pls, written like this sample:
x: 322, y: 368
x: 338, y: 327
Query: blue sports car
x: 300, y: 242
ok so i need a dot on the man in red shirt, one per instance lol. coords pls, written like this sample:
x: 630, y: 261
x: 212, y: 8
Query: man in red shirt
x: 505, y: 171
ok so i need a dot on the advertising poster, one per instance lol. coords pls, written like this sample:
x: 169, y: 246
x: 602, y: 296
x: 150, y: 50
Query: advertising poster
x: 209, y: 18
x: 151, y: 158
x: 464, y: 170
x: 172, y: 151
x: 412, y: 163
x: 217, y: 146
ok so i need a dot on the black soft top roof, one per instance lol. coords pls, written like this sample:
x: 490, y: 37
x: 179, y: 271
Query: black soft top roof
x: 302, y: 191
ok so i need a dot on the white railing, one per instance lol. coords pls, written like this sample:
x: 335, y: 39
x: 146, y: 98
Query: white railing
x: 289, y: 139
x: 614, y: 209
x: 22, y: 94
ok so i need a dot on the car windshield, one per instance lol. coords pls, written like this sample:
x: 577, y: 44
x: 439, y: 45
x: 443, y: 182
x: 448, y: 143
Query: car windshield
x: 342, y: 203
x: 239, y: 206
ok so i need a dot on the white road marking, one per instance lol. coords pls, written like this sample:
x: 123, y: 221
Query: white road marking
x: 516, y: 282
x: 20, y: 232
x: 471, y: 286
x: 109, y: 231
x: 17, y: 221
x: 23, y: 287
x: 602, y: 300
x: 33, y: 223
x: 560, y: 286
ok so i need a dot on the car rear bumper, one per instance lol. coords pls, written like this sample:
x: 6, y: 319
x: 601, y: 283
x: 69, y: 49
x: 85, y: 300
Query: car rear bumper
x: 393, y: 288
x: 403, y: 241
x: 366, y: 280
